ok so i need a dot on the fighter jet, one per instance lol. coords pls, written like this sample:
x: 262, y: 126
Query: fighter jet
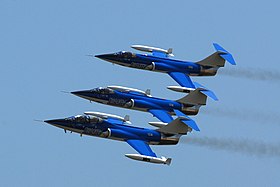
x: 116, y: 128
x: 135, y: 99
x: 179, y: 70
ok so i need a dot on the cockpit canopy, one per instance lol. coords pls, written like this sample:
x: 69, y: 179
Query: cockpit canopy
x: 125, y: 54
x: 102, y: 90
x: 84, y: 119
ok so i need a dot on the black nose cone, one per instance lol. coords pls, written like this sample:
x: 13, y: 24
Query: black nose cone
x: 81, y: 93
x: 56, y: 122
x: 86, y: 94
x: 100, y: 56
x: 107, y: 57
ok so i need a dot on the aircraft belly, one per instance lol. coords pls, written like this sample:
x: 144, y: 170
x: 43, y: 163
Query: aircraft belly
x: 143, y: 66
x: 140, y: 109
x: 194, y: 74
x: 99, y: 100
x: 116, y: 138
x: 70, y: 129
x: 117, y: 62
x: 118, y: 102
x: 122, y: 63
x: 153, y: 143
x: 125, y: 104
x: 160, y: 71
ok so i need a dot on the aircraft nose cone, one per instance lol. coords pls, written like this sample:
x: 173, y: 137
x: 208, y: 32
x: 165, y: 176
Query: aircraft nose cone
x: 55, y: 122
x: 80, y: 93
x: 86, y: 94
x: 108, y: 57
x: 100, y: 56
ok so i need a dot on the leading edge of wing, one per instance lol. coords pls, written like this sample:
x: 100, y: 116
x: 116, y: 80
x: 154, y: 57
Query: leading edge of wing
x: 162, y: 115
x: 182, y: 79
x: 141, y: 147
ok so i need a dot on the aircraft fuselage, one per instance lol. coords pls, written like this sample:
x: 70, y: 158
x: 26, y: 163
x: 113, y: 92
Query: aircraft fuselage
x: 93, y: 126
x: 134, y: 101
x: 158, y: 64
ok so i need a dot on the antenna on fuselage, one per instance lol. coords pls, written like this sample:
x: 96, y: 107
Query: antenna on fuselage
x: 126, y: 118
x: 148, y: 92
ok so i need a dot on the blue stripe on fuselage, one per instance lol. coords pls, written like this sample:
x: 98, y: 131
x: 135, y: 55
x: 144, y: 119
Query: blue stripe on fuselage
x: 174, y: 65
x: 141, y: 101
x: 129, y: 132
x: 150, y: 102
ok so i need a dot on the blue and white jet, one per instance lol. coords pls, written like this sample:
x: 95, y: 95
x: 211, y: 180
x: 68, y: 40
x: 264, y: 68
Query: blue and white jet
x: 135, y: 99
x: 116, y: 128
x: 159, y: 60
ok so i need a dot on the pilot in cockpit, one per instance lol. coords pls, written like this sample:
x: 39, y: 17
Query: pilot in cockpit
x: 125, y: 54
x: 101, y: 90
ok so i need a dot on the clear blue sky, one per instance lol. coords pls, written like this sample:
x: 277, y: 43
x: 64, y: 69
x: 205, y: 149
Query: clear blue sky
x: 42, y: 52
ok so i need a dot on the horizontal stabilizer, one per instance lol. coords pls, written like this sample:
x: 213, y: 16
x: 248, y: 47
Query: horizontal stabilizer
x: 191, y: 123
x: 224, y: 54
x: 197, y: 96
x: 210, y: 94
x: 193, y: 98
x: 206, y: 91
x: 187, y: 120
x: 218, y: 58
x: 201, y: 88
x: 179, y: 126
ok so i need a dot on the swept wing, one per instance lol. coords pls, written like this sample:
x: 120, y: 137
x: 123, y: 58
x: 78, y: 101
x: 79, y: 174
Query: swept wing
x: 162, y: 115
x: 141, y: 147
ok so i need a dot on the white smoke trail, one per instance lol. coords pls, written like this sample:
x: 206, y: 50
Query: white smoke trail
x: 252, y: 73
x: 245, y: 146
x: 243, y: 114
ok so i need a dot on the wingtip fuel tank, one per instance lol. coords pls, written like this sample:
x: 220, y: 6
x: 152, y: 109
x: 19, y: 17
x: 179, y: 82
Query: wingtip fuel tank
x: 106, y: 116
x: 151, y: 159
x: 150, y: 49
